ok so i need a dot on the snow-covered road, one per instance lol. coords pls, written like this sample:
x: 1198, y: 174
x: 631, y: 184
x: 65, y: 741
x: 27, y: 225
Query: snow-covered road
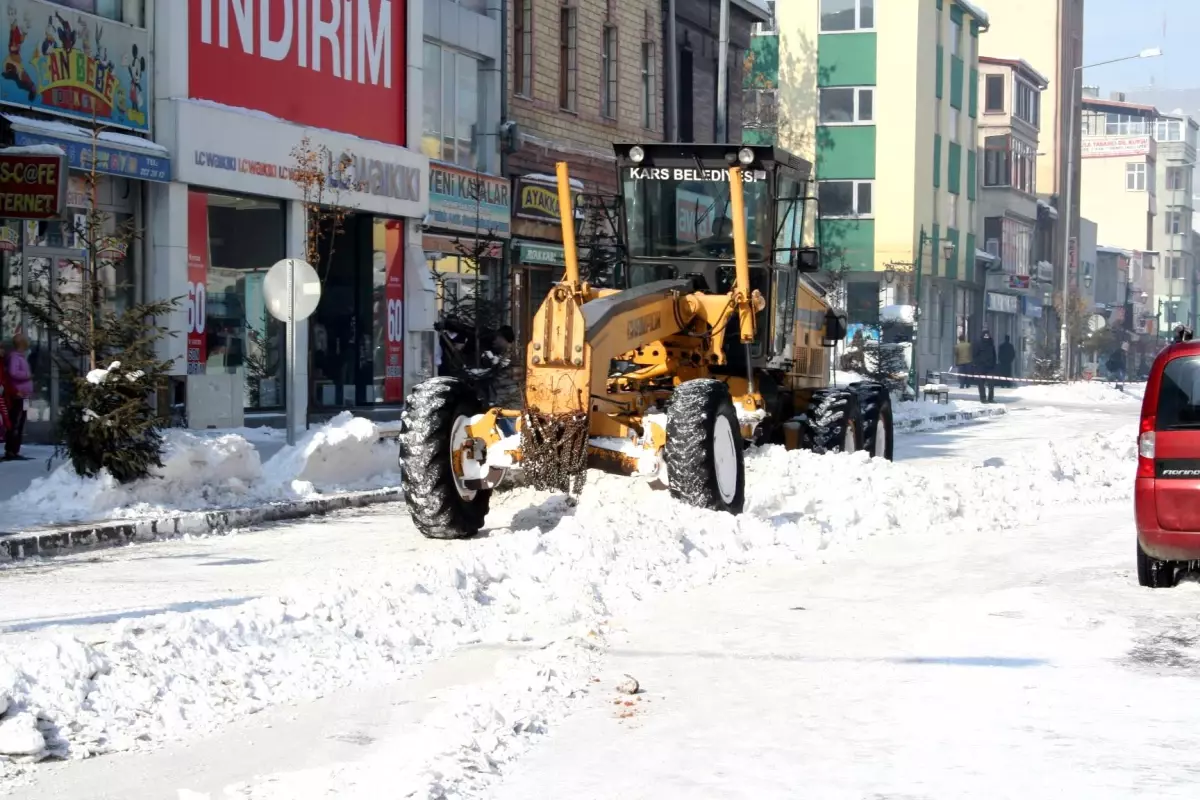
x: 788, y: 641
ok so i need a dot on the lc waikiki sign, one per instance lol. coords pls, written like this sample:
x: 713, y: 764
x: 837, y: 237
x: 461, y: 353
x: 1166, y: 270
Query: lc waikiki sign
x: 334, y: 64
x: 63, y: 62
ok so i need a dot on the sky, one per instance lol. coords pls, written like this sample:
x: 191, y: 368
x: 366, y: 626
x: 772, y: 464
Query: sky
x: 1118, y: 28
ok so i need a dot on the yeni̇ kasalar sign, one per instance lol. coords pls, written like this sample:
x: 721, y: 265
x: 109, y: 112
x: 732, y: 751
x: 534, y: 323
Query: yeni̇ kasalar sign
x: 32, y: 186
x: 63, y: 62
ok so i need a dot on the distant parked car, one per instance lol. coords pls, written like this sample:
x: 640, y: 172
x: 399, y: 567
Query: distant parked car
x: 1167, y: 490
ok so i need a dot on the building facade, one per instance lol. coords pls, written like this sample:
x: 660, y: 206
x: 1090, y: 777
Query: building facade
x: 884, y: 98
x: 271, y: 134
x: 1175, y: 281
x: 469, y: 218
x: 1018, y: 228
x: 1049, y: 34
x: 52, y: 98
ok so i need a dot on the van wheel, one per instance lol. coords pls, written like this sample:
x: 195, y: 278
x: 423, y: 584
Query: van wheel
x: 1155, y: 574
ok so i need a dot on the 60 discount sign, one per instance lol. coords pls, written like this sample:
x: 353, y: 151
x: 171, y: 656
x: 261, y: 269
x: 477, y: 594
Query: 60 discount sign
x: 393, y: 355
x: 197, y: 283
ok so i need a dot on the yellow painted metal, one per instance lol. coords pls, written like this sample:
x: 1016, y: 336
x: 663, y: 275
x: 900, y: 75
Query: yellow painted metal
x: 741, y: 256
x: 567, y: 214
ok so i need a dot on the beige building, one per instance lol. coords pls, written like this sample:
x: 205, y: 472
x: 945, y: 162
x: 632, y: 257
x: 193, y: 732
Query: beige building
x: 1017, y: 226
x: 1119, y: 171
x: 1048, y: 33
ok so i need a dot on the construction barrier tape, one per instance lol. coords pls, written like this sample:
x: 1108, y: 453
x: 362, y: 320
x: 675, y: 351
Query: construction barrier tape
x: 950, y: 377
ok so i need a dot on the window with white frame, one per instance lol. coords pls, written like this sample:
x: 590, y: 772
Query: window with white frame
x: 847, y: 105
x: 769, y: 27
x: 847, y: 15
x: 955, y: 37
x: 954, y: 119
x: 1178, y: 223
x: 845, y: 198
x: 952, y: 211
x: 1127, y: 125
x: 1009, y: 161
x: 1135, y: 177
x: 1168, y: 130
x: 1177, y: 179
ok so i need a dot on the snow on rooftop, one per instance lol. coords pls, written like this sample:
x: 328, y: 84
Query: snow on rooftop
x: 33, y: 150
x: 975, y: 11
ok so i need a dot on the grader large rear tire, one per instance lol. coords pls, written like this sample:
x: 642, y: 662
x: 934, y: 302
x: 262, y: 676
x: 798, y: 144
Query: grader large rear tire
x: 435, y: 416
x: 834, y: 421
x: 875, y: 404
x: 705, y: 455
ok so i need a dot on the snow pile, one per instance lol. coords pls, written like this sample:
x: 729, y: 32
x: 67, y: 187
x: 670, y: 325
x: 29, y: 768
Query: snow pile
x: 207, y: 471
x: 921, y: 413
x: 177, y: 674
x: 1089, y: 393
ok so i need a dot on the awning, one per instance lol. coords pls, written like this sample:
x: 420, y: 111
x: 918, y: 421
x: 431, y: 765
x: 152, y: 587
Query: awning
x: 120, y: 154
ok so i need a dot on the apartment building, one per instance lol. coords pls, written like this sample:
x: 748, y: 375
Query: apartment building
x: 1175, y: 282
x: 587, y: 73
x: 884, y: 97
x: 1017, y: 227
x: 1119, y: 191
x: 1048, y: 33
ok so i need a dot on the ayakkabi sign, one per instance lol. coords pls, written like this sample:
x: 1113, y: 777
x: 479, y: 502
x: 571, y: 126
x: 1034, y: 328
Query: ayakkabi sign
x: 225, y: 149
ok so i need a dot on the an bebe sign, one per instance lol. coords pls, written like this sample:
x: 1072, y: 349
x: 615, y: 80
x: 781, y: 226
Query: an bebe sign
x: 333, y: 64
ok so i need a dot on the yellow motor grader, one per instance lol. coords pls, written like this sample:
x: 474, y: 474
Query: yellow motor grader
x: 704, y: 333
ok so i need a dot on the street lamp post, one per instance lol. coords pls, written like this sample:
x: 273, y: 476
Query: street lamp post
x: 1064, y: 345
x: 948, y: 249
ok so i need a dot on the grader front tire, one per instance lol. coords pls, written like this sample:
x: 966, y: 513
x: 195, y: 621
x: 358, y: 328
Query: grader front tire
x: 705, y: 451
x: 439, y: 505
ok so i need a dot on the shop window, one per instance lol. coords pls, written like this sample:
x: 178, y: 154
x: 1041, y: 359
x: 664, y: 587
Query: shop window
x: 128, y: 11
x: 245, y: 237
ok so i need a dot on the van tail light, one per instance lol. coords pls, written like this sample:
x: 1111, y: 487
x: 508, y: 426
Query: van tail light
x: 1146, y: 449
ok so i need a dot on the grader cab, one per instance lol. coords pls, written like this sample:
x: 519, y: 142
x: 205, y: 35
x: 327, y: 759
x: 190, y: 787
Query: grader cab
x: 706, y: 333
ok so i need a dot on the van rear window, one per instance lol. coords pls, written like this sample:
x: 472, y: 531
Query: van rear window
x: 1179, y: 394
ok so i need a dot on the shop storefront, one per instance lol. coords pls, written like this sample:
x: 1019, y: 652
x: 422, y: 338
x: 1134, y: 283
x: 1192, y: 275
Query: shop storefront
x: 53, y: 98
x: 469, y: 221
x: 537, y: 252
x: 278, y: 158
x: 1001, y: 316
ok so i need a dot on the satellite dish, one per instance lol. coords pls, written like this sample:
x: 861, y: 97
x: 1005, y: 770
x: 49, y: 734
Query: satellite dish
x: 1096, y: 322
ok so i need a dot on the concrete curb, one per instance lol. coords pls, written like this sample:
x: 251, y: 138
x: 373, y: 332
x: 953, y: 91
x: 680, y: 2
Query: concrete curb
x: 952, y: 418
x: 114, y: 533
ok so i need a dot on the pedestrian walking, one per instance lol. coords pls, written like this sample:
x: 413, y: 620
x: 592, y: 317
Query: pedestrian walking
x: 983, y: 361
x: 1117, y: 365
x: 1006, y: 355
x: 20, y: 379
x: 962, y: 360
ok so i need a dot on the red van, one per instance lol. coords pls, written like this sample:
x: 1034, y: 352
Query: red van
x: 1167, y: 493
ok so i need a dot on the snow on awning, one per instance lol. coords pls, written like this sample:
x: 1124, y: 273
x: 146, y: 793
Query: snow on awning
x: 550, y: 180
x: 119, y: 154
x: 984, y: 255
x: 905, y: 315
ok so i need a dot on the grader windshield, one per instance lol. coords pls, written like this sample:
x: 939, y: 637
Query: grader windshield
x: 683, y: 212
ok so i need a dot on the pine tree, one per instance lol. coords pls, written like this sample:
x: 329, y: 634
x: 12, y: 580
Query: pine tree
x: 108, y: 355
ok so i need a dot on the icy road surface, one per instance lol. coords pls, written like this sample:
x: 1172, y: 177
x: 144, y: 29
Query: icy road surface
x: 936, y: 663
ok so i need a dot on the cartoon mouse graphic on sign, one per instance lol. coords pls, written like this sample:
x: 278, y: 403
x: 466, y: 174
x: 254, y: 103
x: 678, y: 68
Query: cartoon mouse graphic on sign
x: 136, y: 65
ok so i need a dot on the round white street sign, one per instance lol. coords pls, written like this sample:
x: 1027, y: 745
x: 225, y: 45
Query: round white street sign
x: 306, y: 289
